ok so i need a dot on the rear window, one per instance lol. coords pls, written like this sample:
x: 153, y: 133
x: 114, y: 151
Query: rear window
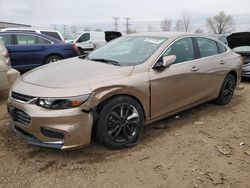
x: 52, y: 34
x: 207, y: 47
x: 221, y: 48
x: 5, y: 39
x: 42, y: 41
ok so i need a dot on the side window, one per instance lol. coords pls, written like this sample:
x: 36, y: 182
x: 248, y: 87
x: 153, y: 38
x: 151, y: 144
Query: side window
x: 52, y: 34
x: 26, y: 39
x: 42, y: 41
x: 221, y: 48
x: 183, y: 50
x: 207, y: 47
x: 5, y: 39
x: 85, y: 37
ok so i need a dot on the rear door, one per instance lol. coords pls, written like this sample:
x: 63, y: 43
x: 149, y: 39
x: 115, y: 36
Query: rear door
x: 212, y: 66
x: 29, y: 52
x: 175, y: 87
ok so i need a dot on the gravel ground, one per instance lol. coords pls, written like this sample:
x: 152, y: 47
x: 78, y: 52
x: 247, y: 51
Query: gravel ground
x: 207, y: 146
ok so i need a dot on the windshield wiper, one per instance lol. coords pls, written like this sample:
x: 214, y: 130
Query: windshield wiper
x: 109, y: 61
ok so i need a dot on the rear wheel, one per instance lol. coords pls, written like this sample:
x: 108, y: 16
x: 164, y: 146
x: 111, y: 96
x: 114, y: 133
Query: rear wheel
x: 120, y: 123
x: 52, y: 59
x: 227, y: 90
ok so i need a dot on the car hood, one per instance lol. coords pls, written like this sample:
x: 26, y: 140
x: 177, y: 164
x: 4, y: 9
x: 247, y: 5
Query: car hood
x: 74, y: 72
x: 238, y: 39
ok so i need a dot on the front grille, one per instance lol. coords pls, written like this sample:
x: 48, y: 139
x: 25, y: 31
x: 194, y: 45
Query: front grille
x: 20, y: 117
x: 246, y: 60
x: 21, y: 97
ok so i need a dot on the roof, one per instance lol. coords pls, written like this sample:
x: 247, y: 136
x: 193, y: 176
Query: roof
x: 163, y: 34
x: 24, y: 25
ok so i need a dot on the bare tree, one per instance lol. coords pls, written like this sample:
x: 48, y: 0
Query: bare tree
x: 221, y: 23
x: 187, y: 21
x: 130, y: 31
x: 98, y: 29
x: 73, y: 29
x: 199, y: 31
x: 166, y: 24
x: 179, y: 26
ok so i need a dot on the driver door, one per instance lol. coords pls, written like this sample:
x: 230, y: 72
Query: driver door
x: 175, y: 87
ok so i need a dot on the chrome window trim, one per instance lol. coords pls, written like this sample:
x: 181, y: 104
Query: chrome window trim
x: 190, y: 36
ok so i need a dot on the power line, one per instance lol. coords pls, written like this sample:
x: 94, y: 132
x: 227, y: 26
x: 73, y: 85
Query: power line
x: 116, y: 23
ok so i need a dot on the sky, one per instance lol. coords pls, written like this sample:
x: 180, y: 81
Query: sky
x: 87, y: 12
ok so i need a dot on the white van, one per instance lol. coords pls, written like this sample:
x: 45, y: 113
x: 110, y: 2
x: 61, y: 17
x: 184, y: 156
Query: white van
x: 51, y: 33
x: 90, y: 40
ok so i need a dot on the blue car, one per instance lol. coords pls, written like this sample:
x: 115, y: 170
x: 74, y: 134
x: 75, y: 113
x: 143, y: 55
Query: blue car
x: 28, y: 50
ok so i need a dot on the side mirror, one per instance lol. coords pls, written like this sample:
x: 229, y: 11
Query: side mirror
x: 165, y: 63
x: 168, y: 60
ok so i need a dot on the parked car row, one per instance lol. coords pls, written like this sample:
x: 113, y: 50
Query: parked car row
x: 121, y: 86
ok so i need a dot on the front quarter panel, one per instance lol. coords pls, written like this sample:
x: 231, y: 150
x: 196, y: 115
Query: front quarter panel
x: 136, y: 86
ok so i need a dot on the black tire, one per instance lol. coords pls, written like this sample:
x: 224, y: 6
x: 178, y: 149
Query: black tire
x: 227, y: 90
x: 116, y: 128
x: 53, y: 58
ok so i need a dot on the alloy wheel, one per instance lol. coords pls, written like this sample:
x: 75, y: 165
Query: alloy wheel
x: 122, y: 123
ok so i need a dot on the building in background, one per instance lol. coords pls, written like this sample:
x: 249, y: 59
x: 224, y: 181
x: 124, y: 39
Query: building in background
x: 4, y: 25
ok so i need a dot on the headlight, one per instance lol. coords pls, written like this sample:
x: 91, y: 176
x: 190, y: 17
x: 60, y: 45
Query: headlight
x: 62, y: 103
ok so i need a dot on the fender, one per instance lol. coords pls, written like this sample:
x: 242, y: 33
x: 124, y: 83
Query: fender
x: 102, y: 94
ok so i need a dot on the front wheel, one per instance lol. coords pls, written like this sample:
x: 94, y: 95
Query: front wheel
x: 227, y: 90
x: 120, y: 123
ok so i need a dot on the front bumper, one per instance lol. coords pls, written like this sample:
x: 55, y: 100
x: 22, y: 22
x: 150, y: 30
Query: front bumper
x: 61, y: 129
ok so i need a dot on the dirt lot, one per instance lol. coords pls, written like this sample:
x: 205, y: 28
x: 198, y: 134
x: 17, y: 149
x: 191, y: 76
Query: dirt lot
x: 208, y: 146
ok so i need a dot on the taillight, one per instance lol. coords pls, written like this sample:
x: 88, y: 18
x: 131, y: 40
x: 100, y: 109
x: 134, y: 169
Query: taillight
x: 75, y: 47
x: 6, y: 55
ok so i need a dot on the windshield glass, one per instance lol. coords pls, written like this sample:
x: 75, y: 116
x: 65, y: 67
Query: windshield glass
x: 129, y: 50
x: 242, y: 49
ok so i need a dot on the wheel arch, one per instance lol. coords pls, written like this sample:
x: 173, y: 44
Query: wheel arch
x: 53, y: 54
x: 100, y: 98
x: 234, y: 73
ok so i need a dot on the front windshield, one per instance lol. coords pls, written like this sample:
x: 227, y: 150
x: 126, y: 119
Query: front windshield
x: 242, y: 49
x: 129, y: 50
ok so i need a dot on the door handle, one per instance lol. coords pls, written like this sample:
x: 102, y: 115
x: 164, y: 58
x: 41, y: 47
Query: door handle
x: 222, y: 62
x: 194, y: 69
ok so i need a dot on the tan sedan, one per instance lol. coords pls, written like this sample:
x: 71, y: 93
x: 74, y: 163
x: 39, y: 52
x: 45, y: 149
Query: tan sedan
x: 7, y: 74
x: 120, y: 87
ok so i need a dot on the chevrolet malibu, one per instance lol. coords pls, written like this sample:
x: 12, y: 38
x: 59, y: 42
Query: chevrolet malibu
x: 117, y: 89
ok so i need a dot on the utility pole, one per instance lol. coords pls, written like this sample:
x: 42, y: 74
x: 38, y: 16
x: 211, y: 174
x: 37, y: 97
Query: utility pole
x: 64, y: 30
x: 127, y: 24
x: 116, y: 23
x: 55, y: 27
